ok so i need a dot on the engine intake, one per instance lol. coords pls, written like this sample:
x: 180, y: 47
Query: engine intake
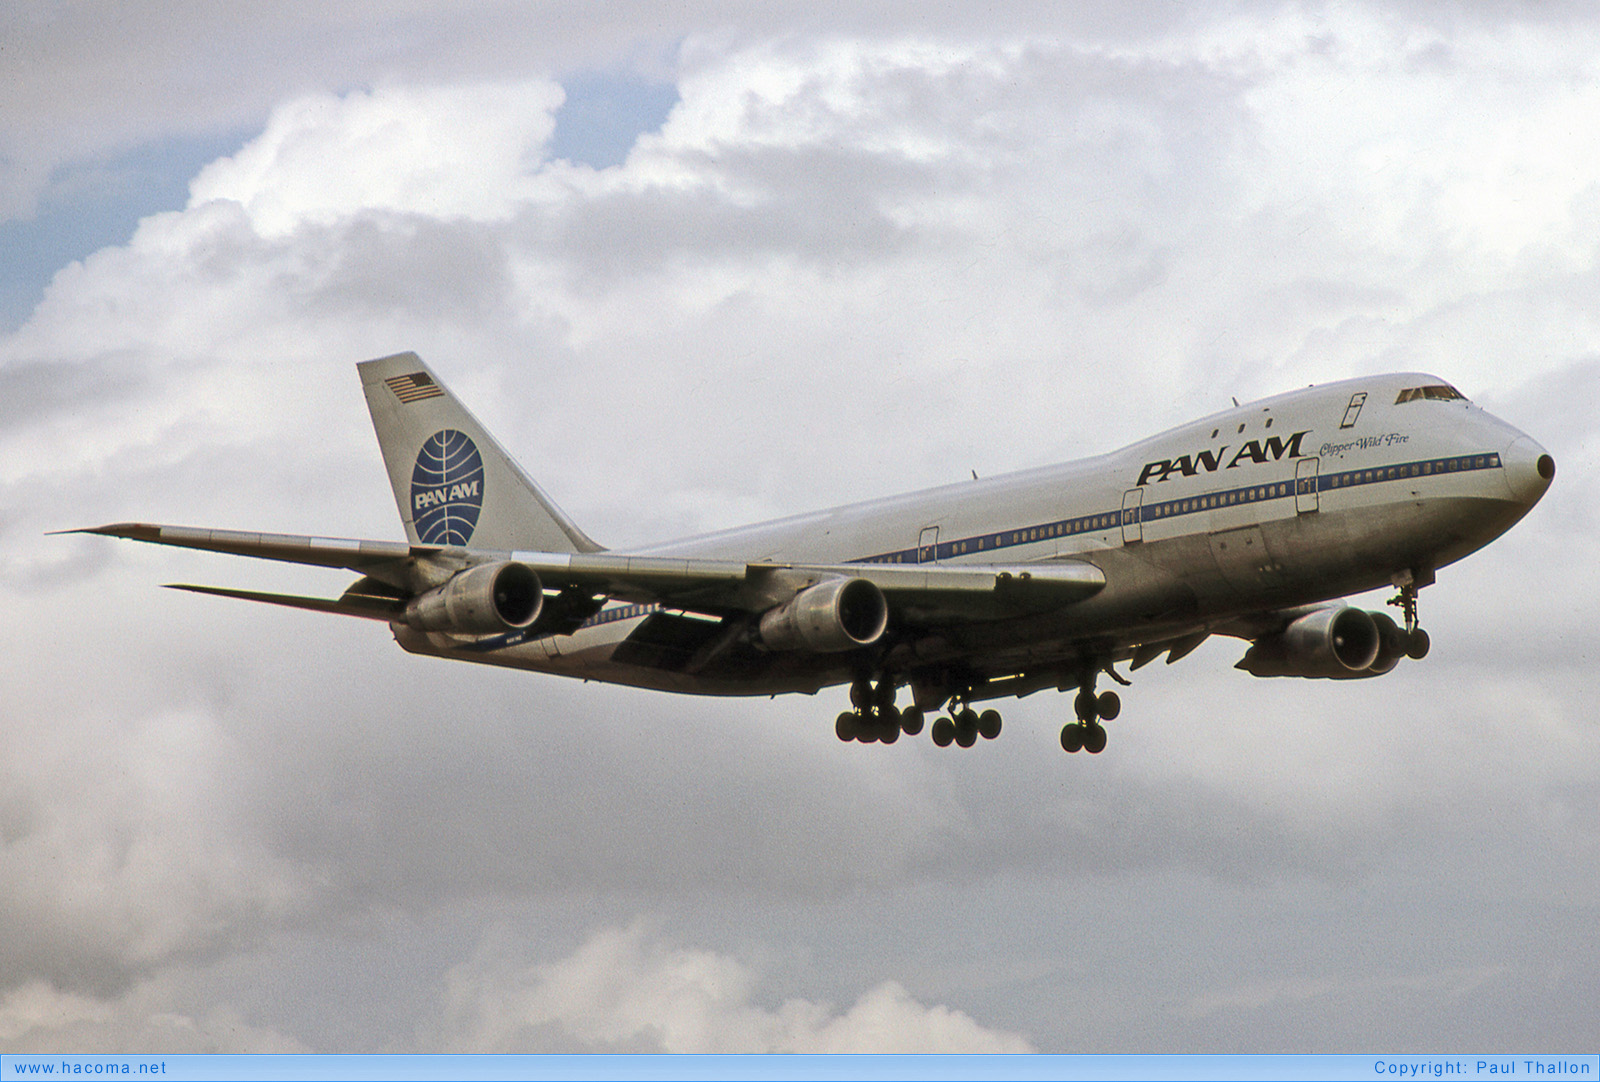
x: 1337, y: 642
x: 481, y: 600
x: 836, y: 615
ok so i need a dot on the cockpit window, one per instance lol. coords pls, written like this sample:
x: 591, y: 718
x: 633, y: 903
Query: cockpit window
x: 1439, y: 392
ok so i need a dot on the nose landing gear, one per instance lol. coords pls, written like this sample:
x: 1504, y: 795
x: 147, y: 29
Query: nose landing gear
x: 1417, y: 641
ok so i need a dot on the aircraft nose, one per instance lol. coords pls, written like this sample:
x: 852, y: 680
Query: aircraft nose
x: 1529, y: 470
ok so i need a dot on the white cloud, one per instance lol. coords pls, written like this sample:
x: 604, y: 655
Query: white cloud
x: 37, y: 1018
x: 442, y: 152
x: 122, y: 852
x: 625, y: 990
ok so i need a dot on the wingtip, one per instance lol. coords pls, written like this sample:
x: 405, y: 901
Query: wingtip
x: 134, y: 531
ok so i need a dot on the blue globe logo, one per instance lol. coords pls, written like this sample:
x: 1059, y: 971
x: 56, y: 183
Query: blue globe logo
x: 447, y: 489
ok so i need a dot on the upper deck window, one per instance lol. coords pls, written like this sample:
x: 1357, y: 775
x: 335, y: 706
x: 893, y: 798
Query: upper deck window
x: 1439, y: 392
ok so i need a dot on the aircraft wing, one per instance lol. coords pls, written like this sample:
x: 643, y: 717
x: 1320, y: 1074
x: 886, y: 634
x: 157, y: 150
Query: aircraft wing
x: 916, y: 592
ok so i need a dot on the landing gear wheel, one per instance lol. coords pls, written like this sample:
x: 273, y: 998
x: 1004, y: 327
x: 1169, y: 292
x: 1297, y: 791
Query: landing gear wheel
x: 967, y: 727
x: 911, y: 721
x: 867, y: 727
x: 845, y: 727
x: 1072, y: 737
x: 889, y: 726
x: 1094, y: 739
x: 944, y: 731
x: 861, y: 694
x: 1086, y: 705
x: 1108, y: 705
x: 1417, y: 644
x: 989, y: 724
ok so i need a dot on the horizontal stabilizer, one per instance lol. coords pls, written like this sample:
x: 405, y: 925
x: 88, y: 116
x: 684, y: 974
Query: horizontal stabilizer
x: 367, y: 607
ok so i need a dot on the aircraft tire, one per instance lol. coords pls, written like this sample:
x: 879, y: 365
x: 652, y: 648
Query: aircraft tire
x: 989, y: 724
x: 1087, y: 707
x: 1094, y: 739
x: 966, y: 737
x: 911, y: 721
x: 1417, y: 644
x: 845, y: 727
x: 1108, y: 705
x: 1072, y: 737
x: 888, y: 730
x: 944, y: 731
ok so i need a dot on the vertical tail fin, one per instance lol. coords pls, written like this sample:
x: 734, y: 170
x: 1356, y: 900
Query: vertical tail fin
x: 453, y: 483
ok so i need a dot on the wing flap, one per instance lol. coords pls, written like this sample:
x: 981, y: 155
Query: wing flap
x: 667, y: 641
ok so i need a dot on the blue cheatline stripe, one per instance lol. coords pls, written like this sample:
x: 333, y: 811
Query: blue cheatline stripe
x: 1170, y: 509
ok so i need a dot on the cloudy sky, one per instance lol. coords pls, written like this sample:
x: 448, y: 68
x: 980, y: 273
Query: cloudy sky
x: 697, y: 267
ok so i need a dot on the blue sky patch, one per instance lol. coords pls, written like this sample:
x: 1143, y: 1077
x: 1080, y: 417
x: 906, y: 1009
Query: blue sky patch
x: 91, y: 205
x: 605, y: 113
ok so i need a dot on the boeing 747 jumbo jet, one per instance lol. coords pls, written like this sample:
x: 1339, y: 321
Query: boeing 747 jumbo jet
x: 1249, y: 523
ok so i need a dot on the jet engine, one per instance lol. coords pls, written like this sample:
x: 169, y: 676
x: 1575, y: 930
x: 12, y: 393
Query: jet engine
x: 1393, y: 644
x: 1337, y: 641
x: 481, y: 600
x: 839, y: 614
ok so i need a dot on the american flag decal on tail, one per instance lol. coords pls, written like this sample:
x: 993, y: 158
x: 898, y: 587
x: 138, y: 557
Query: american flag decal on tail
x: 415, y: 387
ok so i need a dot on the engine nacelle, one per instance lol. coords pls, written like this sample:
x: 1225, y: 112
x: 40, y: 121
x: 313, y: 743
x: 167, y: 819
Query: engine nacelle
x: 1337, y: 642
x: 1393, y: 644
x: 839, y: 614
x: 481, y: 600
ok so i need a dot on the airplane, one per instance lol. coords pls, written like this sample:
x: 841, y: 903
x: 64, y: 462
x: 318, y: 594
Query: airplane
x: 1253, y: 523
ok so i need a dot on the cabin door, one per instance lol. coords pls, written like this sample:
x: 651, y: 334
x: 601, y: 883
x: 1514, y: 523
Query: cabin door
x: 1132, y: 516
x: 1305, y: 485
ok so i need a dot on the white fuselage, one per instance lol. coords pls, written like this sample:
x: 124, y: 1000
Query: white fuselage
x: 1295, y: 499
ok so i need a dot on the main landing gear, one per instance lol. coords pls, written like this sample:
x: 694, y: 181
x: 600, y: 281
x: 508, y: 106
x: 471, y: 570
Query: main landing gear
x: 965, y: 725
x: 875, y: 719
x: 1087, y: 734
